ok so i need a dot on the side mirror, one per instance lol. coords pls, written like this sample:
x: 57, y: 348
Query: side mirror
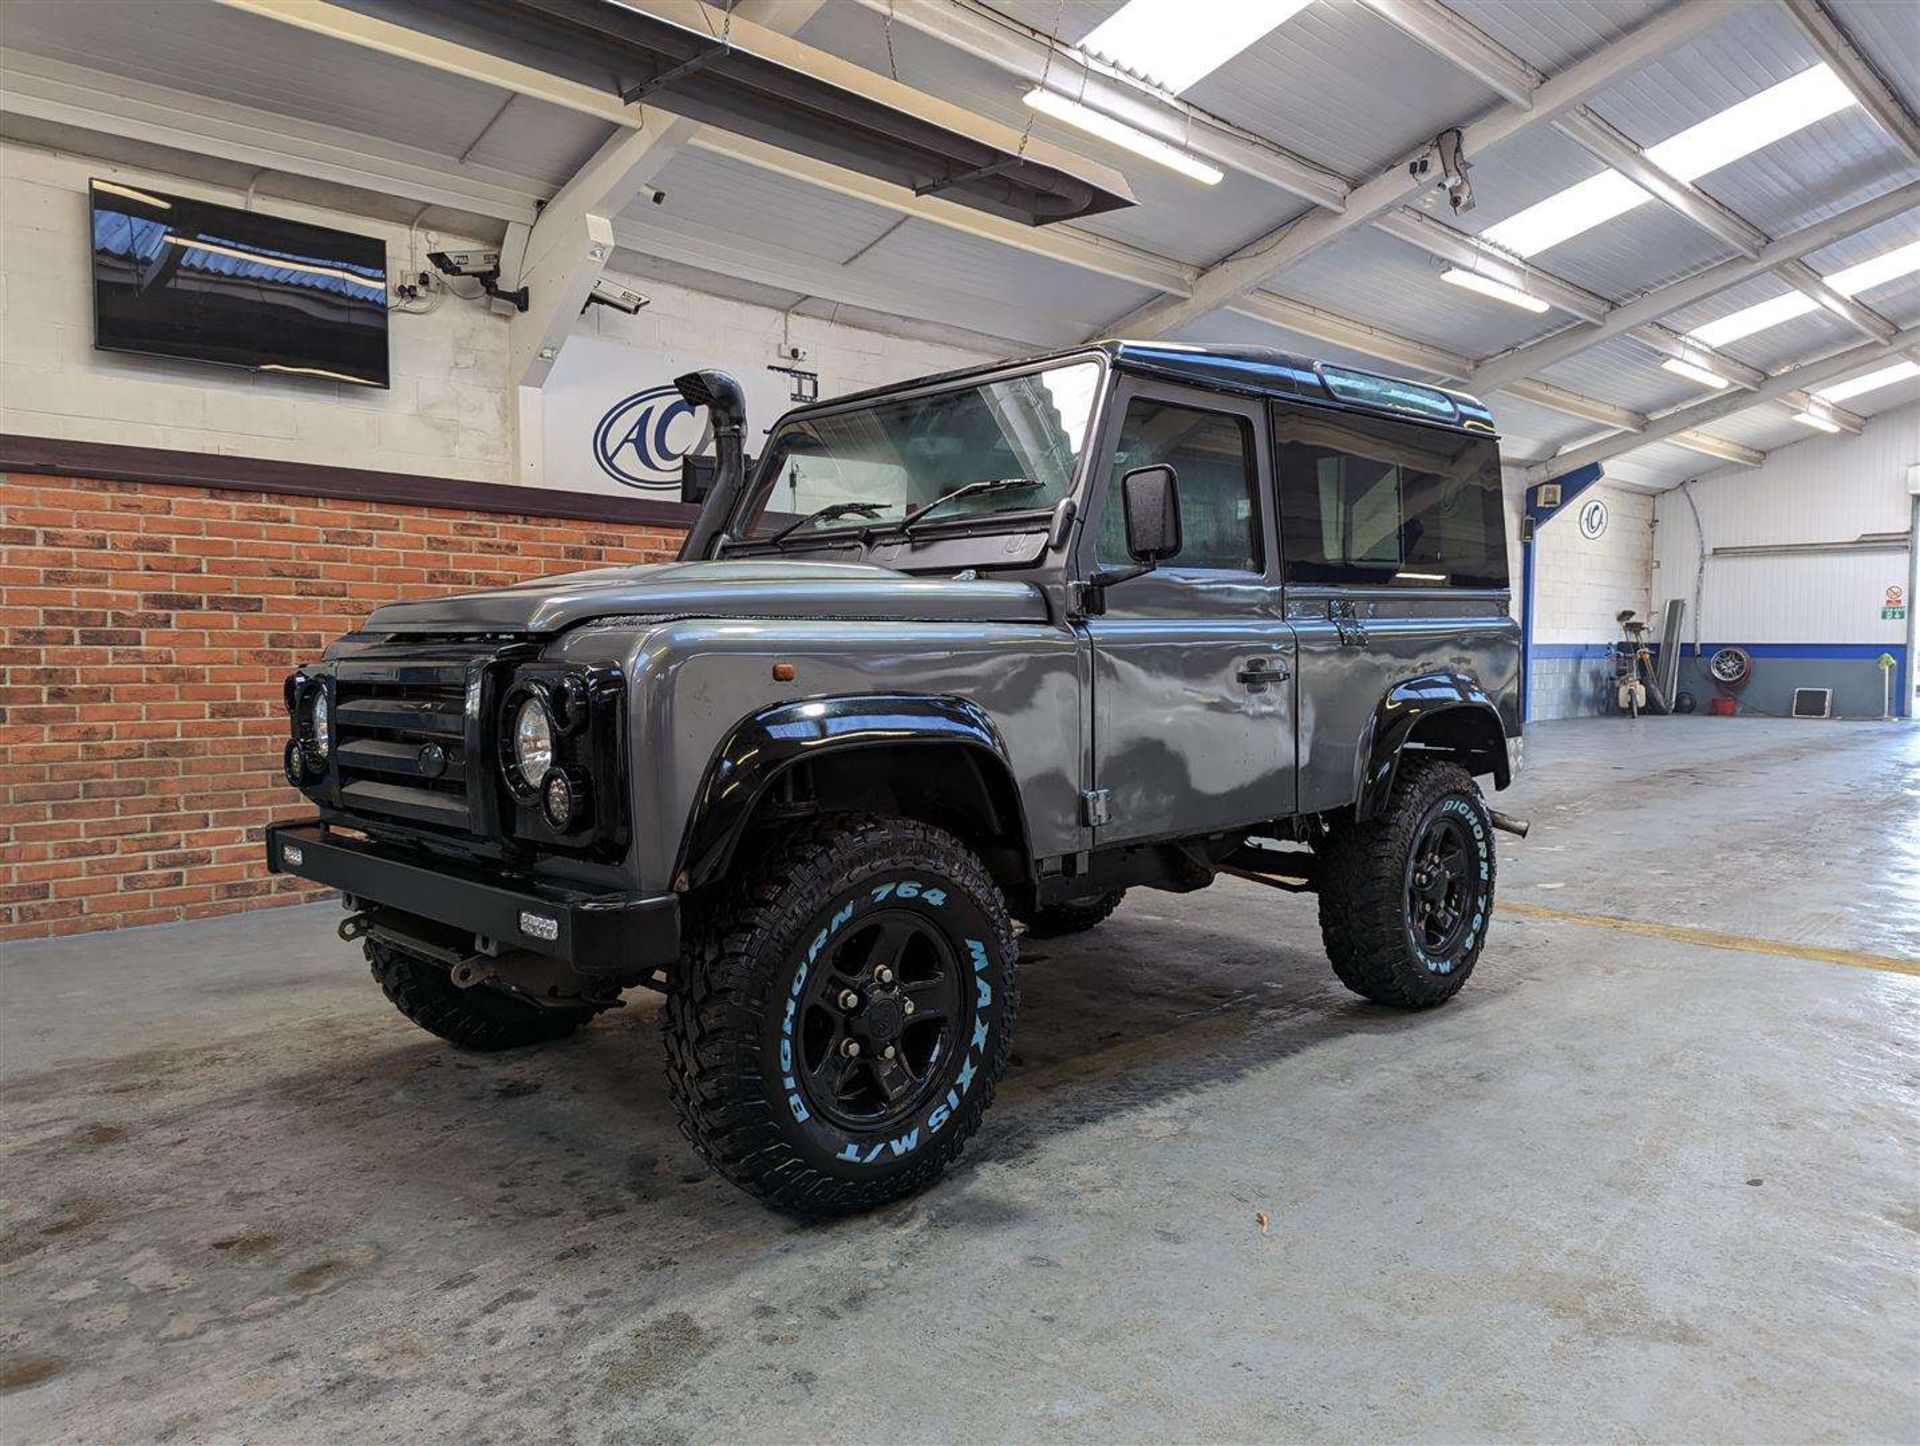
x: 1150, y: 497
x: 1150, y: 500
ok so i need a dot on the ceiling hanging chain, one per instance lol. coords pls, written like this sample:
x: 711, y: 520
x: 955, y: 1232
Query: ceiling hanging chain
x: 893, y: 65
x: 1046, y: 70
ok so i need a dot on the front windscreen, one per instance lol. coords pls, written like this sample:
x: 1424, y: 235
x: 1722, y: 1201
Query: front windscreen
x: 875, y: 465
x: 183, y: 278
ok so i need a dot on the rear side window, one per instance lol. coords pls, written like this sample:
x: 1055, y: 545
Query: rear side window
x: 1374, y: 503
x: 1212, y: 454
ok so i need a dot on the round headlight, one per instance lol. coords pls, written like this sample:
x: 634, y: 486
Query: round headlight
x: 320, y: 723
x: 532, y: 742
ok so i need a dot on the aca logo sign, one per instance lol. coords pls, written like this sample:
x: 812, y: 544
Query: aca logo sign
x: 641, y: 439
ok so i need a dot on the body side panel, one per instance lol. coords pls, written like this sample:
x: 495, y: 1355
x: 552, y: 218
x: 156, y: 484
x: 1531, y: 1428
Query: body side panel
x: 692, y: 681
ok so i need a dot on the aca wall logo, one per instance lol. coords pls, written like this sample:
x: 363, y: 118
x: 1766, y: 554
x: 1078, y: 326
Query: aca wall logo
x: 1593, y: 520
x: 641, y: 439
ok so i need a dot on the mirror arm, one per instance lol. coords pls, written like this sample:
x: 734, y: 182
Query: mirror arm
x: 1090, y: 596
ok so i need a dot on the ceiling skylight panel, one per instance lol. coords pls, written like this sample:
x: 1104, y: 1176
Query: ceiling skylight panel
x: 1889, y: 266
x: 1747, y: 126
x: 1754, y: 318
x: 1174, y: 43
x: 1567, y: 213
x: 1739, y: 130
x: 1900, y: 371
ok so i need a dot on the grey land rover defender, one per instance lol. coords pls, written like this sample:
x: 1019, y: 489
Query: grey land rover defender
x: 992, y: 646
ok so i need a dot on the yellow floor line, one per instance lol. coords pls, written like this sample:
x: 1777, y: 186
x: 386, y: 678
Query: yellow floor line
x: 1713, y: 939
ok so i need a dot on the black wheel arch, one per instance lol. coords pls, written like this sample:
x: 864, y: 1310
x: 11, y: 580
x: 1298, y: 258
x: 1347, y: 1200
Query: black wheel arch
x: 932, y: 757
x: 1446, y: 713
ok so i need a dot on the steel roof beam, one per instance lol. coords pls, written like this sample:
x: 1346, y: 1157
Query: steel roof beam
x: 1863, y: 319
x: 1032, y: 56
x: 1605, y: 142
x: 1070, y: 245
x: 1311, y: 321
x: 71, y: 95
x: 1522, y: 361
x: 1808, y: 376
x: 1470, y: 253
x: 1711, y: 446
x: 1838, y: 50
x: 1451, y: 37
x: 1255, y: 264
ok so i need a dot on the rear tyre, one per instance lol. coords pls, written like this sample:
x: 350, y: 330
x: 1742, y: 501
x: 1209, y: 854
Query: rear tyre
x: 481, y: 1018
x: 840, y: 1016
x: 1405, y: 897
x: 1076, y: 916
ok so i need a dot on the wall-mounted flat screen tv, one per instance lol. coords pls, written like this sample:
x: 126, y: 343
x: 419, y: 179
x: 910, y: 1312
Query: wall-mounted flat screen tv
x: 183, y: 278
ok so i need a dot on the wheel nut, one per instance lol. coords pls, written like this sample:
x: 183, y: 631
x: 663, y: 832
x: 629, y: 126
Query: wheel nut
x: 887, y: 1053
x: 907, y: 1007
x: 849, y: 1000
x: 883, y: 974
x: 851, y: 1049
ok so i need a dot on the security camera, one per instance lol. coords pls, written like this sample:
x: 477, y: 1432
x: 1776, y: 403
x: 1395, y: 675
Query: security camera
x: 466, y: 263
x: 620, y: 298
x: 1448, y: 151
x: 483, y: 267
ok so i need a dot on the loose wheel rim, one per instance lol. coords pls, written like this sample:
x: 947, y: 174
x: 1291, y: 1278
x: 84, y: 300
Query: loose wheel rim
x: 1443, y: 887
x: 878, y: 1021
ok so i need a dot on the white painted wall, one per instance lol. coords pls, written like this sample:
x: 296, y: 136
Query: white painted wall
x: 1825, y: 489
x: 450, y: 411
x: 1579, y: 585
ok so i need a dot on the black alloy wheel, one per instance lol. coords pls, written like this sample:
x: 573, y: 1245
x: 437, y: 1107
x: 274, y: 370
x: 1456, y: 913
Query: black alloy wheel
x: 1442, y: 889
x: 878, y: 1021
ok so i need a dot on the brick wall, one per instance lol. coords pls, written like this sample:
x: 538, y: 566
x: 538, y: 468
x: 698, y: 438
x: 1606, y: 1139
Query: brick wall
x: 144, y: 634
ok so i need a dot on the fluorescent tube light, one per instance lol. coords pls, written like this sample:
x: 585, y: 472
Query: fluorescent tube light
x: 1695, y: 373
x: 1739, y: 130
x: 131, y: 194
x: 1900, y: 371
x: 278, y: 263
x: 1085, y: 118
x: 1498, y: 290
x: 1816, y: 421
x: 1175, y: 42
x: 1889, y: 266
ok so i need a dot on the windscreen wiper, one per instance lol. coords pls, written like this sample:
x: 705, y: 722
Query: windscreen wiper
x: 828, y: 514
x: 970, y: 489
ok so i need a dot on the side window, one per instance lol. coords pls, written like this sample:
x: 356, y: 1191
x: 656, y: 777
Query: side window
x: 1388, y: 504
x: 1212, y: 453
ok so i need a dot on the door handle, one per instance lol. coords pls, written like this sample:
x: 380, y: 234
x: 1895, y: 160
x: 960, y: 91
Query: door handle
x: 1258, y: 672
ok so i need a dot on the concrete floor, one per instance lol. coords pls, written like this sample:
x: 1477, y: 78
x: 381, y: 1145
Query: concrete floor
x: 1625, y: 1187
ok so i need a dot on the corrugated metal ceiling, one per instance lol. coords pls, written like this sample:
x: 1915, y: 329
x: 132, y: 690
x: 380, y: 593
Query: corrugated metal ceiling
x: 1385, y: 282
x: 1336, y: 84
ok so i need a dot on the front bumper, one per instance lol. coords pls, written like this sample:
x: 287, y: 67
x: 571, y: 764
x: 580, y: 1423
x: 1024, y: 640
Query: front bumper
x: 606, y: 934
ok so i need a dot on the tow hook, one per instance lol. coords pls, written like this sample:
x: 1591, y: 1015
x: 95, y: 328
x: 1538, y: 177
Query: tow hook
x: 1507, y: 824
x: 469, y: 972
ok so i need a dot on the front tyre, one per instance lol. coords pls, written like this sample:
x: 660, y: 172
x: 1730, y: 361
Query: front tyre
x: 1405, y: 897
x: 482, y: 1018
x: 840, y: 1017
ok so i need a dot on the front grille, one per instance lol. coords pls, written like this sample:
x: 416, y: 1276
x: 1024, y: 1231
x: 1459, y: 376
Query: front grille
x: 408, y: 744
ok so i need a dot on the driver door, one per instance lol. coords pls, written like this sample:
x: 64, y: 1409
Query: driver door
x: 1193, y: 694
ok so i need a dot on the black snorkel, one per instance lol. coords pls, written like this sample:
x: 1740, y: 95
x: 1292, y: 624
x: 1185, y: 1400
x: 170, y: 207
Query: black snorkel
x: 726, y: 407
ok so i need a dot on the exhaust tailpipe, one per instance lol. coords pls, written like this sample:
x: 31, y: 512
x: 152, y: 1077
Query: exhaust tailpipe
x: 1516, y: 826
x: 726, y: 408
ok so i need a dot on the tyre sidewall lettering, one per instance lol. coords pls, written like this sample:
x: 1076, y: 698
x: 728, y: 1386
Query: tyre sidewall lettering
x: 1479, y: 829
x: 970, y: 933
